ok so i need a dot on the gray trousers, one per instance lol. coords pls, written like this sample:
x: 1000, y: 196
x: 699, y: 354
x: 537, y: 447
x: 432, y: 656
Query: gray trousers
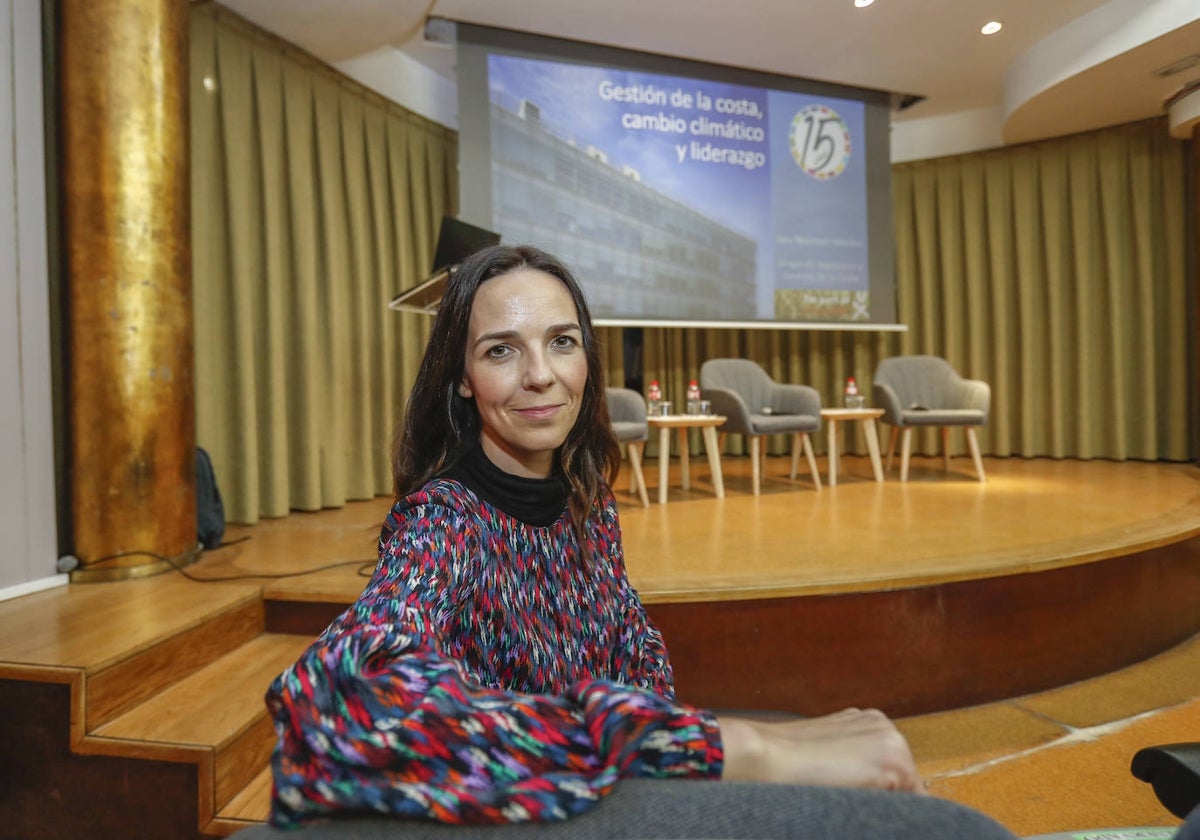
x: 685, y: 809
x: 1191, y: 826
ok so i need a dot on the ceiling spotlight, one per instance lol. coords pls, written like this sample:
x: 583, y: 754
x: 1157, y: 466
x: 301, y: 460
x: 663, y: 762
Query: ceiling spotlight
x: 862, y: 4
x: 991, y: 27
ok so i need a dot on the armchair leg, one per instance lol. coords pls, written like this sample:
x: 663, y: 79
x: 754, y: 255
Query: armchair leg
x: 973, y: 443
x: 755, y: 463
x: 635, y: 467
x: 892, y: 446
x: 801, y: 440
x: 714, y: 460
x: 905, y: 452
x: 812, y: 461
x: 945, y: 430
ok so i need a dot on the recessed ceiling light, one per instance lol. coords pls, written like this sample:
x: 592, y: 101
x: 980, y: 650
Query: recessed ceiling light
x: 862, y: 4
x: 991, y: 27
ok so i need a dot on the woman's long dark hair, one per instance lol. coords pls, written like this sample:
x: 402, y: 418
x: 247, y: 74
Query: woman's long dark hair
x: 439, y: 423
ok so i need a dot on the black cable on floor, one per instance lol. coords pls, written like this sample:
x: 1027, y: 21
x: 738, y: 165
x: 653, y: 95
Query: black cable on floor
x: 366, y: 567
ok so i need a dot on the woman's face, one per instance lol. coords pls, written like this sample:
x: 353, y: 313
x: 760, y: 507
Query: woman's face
x: 525, y: 369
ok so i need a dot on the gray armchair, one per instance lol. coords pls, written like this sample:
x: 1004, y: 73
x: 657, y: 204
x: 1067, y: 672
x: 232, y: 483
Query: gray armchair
x: 926, y: 391
x: 627, y: 411
x: 756, y: 406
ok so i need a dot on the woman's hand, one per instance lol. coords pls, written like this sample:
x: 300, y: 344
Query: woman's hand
x: 851, y: 748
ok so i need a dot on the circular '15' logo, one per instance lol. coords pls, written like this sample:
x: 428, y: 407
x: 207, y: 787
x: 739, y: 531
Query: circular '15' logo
x: 820, y: 142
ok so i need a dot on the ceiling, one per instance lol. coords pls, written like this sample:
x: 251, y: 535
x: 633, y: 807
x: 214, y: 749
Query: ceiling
x: 922, y: 48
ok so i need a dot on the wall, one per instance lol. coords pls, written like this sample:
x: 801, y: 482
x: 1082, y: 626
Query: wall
x: 948, y: 134
x: 405, y: 81
x: 28, y: 541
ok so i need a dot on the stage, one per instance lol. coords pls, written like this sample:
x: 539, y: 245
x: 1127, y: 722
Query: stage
x: 934, y: 594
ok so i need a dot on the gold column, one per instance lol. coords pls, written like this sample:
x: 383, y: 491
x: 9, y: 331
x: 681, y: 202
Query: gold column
x: 123, y: 98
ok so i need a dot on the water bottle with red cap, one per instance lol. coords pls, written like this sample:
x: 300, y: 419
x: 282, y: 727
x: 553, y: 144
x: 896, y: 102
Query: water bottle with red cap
x: 654, y: 398
x: 853, y: 399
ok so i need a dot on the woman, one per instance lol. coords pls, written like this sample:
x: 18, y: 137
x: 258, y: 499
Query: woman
x: 499, y: 667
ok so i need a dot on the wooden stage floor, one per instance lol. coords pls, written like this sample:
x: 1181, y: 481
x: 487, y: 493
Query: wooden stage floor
x: 938, y: 593
x: 939, y: 527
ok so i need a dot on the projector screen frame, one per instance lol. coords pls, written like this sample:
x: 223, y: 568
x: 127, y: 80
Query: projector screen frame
x: 475, y: 175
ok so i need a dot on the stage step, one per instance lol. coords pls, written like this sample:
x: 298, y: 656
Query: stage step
x: 151, y: 669
x: 155, y: 688
x: 251, y: 805
x: 98, y: 626
x: 215, y: 717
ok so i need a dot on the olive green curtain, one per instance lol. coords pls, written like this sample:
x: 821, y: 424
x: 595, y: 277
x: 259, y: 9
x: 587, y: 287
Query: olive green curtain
x: 1056, y: 271
x: 313, y: 203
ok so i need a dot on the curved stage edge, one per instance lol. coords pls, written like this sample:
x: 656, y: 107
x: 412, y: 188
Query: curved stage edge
x: 934, y: 647
x: 936, y: 594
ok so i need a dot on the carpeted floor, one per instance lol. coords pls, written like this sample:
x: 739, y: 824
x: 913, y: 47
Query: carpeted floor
x: 1059, y: 761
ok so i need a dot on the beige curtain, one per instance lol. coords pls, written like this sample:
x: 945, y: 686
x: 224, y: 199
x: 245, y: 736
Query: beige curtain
x: 314, y: 202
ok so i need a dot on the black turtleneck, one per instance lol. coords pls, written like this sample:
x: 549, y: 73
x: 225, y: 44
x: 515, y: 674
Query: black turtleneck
x: 535, y: 501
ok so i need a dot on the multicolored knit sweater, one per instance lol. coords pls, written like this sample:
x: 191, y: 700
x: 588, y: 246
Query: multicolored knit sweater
x: 486, y: 674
